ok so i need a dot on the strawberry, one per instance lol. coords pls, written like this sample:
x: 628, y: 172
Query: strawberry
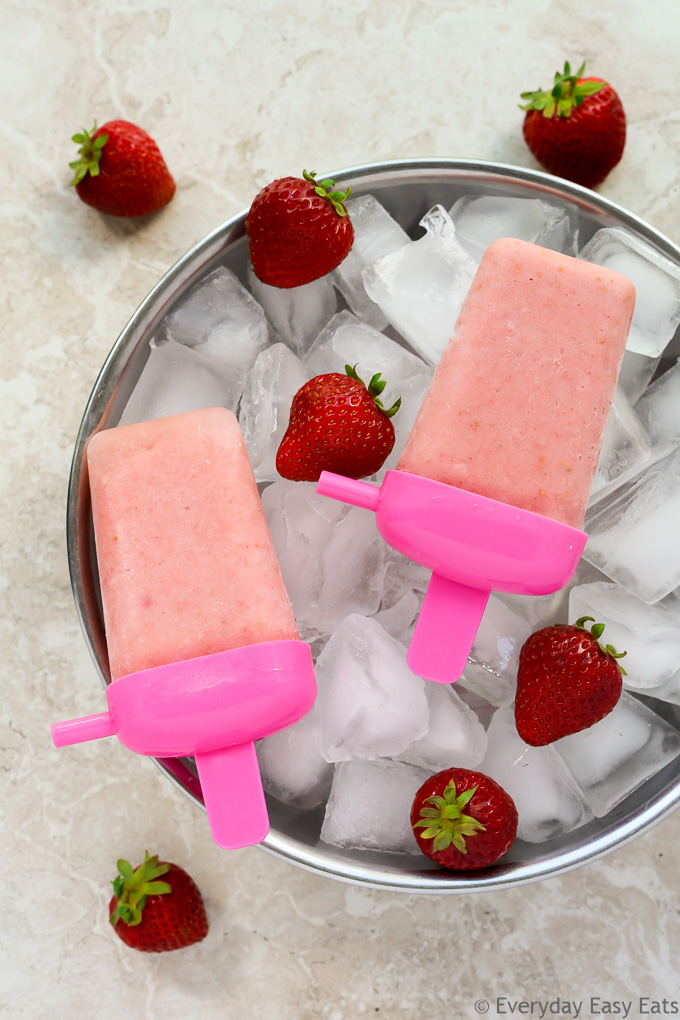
x: 576, y: 130
x: 153, y: 916
x: 298, y: 230
x: 566, y: 682
x: 120, y: 170
x: 463, y: 819
x: 337, y: 423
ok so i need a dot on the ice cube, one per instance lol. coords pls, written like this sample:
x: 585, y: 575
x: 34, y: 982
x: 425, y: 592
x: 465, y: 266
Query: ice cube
x: 270, y: 386
x: 348, y: 341
x: 650, y: 635
x: 668, y: 691
x: 615, y: 756
x: 659, y: 410
x: 481, y: 219
x: 533, y: 608
x: 635, y: 374
x: 297, y: 314
x: 369, y: 704
x: 370, y: 806
x: 176, y: 379
x: 633, y: 534
x: 219, y: 311
x: 292, y: 766
x: 398, y: 619
x: 332, y: 558
x: 421, y: 287
x: 491, y: 669
x: 376, y: 234
x: 454, y: 735
x: 224, y: 323
x: 626, y: 448
x: 657, y: 286
x: 548, y: 801
x: 402, y: 577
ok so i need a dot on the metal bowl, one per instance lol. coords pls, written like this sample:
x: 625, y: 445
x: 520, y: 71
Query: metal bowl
x: 407, y: 189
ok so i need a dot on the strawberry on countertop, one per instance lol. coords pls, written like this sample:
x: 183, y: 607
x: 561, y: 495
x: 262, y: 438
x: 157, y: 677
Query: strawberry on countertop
x: 120, y: 170
x: 577, y: 129
x: 156, y: 916
x: 566, y: 682
x: 337, y: 423
x: 298, y: 230
x: 463, y: 819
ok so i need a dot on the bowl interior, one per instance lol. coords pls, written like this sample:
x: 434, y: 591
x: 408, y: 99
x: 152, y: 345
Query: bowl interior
x: 407, y: 190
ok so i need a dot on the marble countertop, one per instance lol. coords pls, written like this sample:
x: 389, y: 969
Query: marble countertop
x: 238, y: 93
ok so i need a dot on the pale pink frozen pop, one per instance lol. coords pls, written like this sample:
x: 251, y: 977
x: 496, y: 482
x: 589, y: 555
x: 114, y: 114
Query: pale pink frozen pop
x: 186, y: 562
x: 491, y: 489
x: 203, y: 646
x: 519, y: 402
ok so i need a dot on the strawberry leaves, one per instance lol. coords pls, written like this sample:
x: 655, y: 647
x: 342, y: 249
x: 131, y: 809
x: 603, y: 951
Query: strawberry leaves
x: 324, y: 189
x: 90, y: 153
x: 566, y: 94
x: 445, y: 823
x: 596, y: 632
x: 375, y: 388
x: 131, y: 888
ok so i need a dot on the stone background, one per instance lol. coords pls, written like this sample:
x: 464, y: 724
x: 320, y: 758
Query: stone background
x: 237, y: 93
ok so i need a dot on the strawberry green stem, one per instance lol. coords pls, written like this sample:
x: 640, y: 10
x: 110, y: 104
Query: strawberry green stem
x: 325, y: 190
x: 375, y: 388
x: 566, y: 94
x: 89, y: 154
x: 596, y: 631
x: 131, y: 888
x: 445, y: 821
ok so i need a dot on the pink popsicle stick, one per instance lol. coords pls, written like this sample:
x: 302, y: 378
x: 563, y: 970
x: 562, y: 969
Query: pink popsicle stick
x: 452, y: 609
x: 233, y: 795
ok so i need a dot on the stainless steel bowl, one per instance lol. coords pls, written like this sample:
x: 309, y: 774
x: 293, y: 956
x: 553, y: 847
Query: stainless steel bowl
x: 408, y: 189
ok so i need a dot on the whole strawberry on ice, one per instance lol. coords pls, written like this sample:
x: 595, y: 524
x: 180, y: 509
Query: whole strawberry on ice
x: 337, y: 423
x: 120, y: 170
x: 463, y: 819
x: 153, y: 916
x: 566, y: 682
x: 298, y: 230
x: 577, y: 129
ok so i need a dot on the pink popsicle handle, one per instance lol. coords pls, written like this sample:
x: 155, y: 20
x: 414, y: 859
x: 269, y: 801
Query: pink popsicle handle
x: 348, y: 490
x: 446, y: 629
x: 233, y: 795
x: 77, y: 731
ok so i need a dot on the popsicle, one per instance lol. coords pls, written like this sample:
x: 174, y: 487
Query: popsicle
x: 492, y: 486
x: 203, y: 647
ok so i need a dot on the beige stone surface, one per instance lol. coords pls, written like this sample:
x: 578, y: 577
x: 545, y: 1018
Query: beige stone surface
x: 236, y: 93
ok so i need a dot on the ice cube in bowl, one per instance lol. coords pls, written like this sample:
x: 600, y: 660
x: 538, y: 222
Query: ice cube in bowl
x: 407, y: 190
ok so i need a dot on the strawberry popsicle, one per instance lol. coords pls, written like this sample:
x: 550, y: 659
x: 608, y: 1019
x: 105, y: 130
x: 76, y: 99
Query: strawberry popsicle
x: 200, y: 632
x: 186, y: 563
x: 519, y: 402
x: 491, y: 489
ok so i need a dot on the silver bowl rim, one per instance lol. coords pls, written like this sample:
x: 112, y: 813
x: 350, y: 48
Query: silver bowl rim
x: 314, y: 859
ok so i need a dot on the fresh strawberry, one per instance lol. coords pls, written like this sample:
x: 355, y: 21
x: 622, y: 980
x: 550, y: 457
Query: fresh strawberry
x: 463, y: 819
x: 576, y: 130
x: 566, y: 682
x: 298, y: 230
x: 337, y: 423
x: 120, y: 170
x: 154, y: 916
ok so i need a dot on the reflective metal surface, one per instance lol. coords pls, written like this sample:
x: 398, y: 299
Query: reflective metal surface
x: 407, y: 189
